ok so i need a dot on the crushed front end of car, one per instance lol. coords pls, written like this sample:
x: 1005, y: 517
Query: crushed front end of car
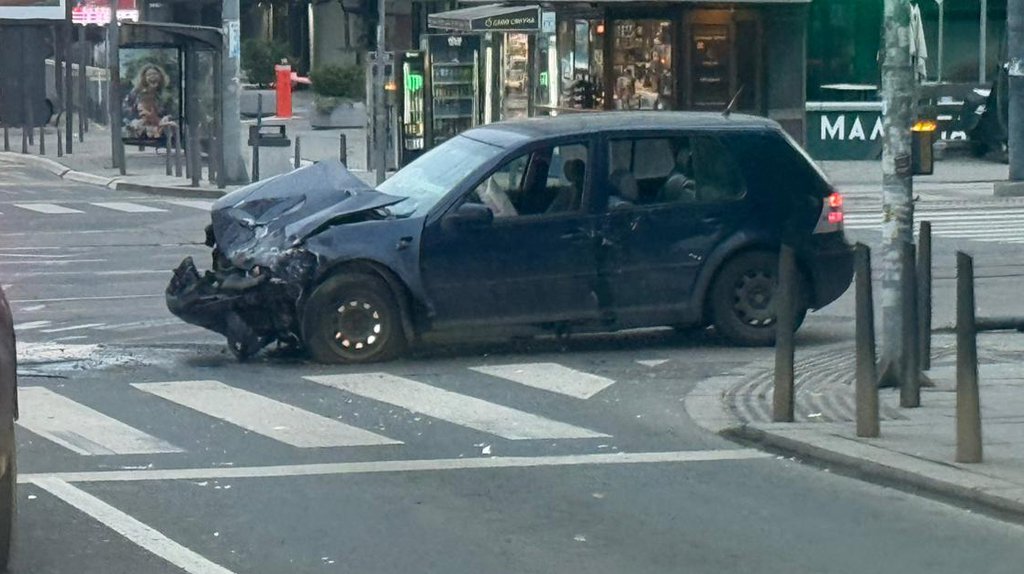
x: 261, y: 270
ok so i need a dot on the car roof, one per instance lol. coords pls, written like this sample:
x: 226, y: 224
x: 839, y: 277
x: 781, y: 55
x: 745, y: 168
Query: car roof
x: 598, y: 122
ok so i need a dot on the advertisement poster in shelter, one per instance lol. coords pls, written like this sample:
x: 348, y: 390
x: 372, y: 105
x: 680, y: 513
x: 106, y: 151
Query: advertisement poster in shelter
x: 151, y: 84
x: 32, y: 10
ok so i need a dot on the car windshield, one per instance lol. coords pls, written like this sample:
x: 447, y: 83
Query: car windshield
x: 427, y: 179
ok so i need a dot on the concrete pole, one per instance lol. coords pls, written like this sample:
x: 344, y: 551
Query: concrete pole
x: 783, y: 398
x: 234, y: 163
x: 897, y: 183
x: 380, y: 119
x: 1015, y: 49
x: 983, y: 40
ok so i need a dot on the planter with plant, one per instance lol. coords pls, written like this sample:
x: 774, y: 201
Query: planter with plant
x: 338, y: 92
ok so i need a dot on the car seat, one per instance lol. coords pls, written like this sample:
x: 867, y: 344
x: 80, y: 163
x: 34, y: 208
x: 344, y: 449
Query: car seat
x: 625, y: 191
x: 568, y: 197
x: 679, y: 186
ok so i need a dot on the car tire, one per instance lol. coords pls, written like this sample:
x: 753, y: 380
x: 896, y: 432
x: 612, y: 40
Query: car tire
x: 353, y: 319
x: 8, y: 504
x: 741, y: 299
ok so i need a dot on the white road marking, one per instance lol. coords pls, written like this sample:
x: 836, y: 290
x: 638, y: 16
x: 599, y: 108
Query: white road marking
x: 73, y: 328
x: 128, y: 207
x: 652, y: 362
x: 135, y: 325
x: 31, y: 308
x: 31, y: 325
x: 452, y: 407
x: 35, y: 255
x: 267, y: 417
x: 101, y: 298
x: 550, y: 377
x: 47, y: 208
x: 78, y: 428
x: 193, y: 203
x: 72, y: 338
x: 135, y: 531
x: 51, y: 261
x: 384, y: 466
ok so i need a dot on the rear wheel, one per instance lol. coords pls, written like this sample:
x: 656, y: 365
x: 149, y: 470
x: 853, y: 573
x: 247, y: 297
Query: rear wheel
x: 742, y: 299
x: 352, y: 319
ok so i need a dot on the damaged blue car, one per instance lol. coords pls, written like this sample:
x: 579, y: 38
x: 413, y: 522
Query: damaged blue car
x: 590, y: 222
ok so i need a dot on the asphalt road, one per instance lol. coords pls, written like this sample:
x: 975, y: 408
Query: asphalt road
x: 144, y: 447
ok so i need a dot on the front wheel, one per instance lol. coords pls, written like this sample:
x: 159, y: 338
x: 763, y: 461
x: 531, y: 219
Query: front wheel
x: 352, y: 319
x: 742, y: 299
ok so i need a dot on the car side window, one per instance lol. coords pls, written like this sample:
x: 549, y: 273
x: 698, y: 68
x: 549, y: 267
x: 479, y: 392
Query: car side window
x: 543, y: 182
x: 657, y: 171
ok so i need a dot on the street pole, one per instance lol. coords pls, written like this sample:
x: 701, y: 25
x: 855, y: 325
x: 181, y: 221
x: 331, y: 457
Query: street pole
x: 897, y: 184
x: 942, y: 27
x: 114, y: 88
x: 234, y: 163
x: 380, y: 120
x: 1015, y: 49
x: 983, y: 40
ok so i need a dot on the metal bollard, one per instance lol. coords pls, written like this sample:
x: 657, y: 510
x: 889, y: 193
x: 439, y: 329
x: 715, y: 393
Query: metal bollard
x: 256, y: 143
x: 42, y: 140
x: 7, y: 138
x: 968, y: 403
x: 343, y: 150
x: 60, y: 142
x: 910, y: 387
x: 177, y: 151
x: 298, y: 152
x: 867, y: 373
x: 785, y: 324
x: 193, y: 152
x: 924, y: 294
x: 24, y: 138
x: 168, y: 143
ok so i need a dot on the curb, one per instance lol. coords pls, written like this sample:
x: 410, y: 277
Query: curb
x: 707, y: 408
x: 885, y: 474
x: 114, y: 183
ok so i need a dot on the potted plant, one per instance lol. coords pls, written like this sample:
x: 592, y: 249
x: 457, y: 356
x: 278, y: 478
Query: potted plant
x: 258, y: 60
x: 338, y: 94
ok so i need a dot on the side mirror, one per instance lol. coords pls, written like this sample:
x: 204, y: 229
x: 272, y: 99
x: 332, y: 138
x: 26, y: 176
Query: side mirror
x: 468, y: 215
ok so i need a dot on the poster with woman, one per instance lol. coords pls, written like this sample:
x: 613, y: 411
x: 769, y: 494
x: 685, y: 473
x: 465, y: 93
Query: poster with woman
x: 151, y: 107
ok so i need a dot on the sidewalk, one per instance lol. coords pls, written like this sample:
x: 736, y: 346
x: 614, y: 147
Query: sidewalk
x: 956, y: 178
x: 916, y: 447
x: 91, y: 161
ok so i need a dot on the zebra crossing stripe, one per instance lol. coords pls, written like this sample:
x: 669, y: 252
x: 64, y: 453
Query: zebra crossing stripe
x: 550, y: 377
x: 263, y: 416
x: 80, y: 429
x: 47, y: 208
x: 128, y: 207
x: 193, y: 203
x: 452, y: 407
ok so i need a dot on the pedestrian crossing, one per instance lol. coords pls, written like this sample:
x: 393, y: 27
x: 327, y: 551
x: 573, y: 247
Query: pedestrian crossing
x: 127, y: 207
x: 91, y: 430
x: 988, y: 223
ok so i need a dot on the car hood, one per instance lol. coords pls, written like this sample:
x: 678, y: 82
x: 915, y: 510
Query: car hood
x: 255, y: 224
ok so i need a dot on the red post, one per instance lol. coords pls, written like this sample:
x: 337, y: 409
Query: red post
x: 284, y: 90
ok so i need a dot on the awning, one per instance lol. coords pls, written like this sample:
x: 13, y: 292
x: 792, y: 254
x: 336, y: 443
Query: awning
x: 489, y: 18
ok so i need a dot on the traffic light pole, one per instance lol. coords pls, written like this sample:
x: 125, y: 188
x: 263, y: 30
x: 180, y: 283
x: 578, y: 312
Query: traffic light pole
x: 897, y: 185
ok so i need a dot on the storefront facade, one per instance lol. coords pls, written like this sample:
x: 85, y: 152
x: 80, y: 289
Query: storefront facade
x: 687, y: 55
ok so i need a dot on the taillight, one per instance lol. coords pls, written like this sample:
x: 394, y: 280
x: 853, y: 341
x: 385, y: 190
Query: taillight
x: 831, y: 219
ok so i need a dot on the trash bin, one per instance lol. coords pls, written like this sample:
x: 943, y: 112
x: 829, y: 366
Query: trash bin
x: 271, y: 151
x: 922, y: 147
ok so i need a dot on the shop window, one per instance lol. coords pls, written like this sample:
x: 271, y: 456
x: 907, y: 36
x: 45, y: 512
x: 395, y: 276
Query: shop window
x: 654, y: 171
x: 544, y: 182
x: 642, y: 65
x: 581, y: 63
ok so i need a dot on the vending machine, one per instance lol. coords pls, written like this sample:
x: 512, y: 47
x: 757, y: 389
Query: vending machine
x: 411, y: 106
x: 452, y: 86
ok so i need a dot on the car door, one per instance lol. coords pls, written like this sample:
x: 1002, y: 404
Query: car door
x: 672, y: 198
x: 535, y: 262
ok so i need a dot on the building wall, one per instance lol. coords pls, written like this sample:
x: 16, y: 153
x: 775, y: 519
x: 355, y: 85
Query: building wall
x: 343, y: 36
x: 785, y: 41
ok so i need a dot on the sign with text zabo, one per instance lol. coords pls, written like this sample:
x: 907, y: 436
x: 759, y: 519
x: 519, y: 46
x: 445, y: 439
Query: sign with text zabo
x: 98, y: 11
x: 33, y: 10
